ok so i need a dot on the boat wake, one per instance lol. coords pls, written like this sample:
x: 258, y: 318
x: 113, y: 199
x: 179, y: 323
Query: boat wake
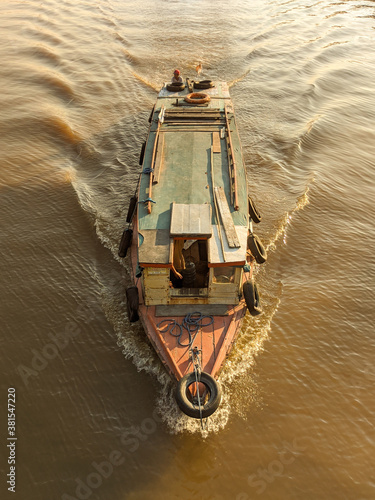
x: 102, y: 193
x: 239, y: 79
x: 286, y: 220
x: 144, y: 81
x: 107, y: 208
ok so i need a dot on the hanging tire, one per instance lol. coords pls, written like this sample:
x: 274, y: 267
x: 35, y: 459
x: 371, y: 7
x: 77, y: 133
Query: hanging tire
x: 142, y: 155
x: 151, y: 115
x: 204, y: 84
x: 253, y: 212
x: 131, y: 209
x: 184, y: 397
x: 175, y: 87
x: 256, y: 248
x: 132, y: 303
x: 126, y: 241
x: 251, y: 296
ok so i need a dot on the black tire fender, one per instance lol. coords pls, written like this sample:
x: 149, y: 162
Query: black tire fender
x: 187, y: 406
x: 253, y: 212
x: 132, y: 303
x: 151, y: 115
x: 256, y: 248
x: 203, y: 84
x: 251, y: 296
x: 175, y: 87
x: 126, y: 241
x: 131, y: 209
x: 142, y: 155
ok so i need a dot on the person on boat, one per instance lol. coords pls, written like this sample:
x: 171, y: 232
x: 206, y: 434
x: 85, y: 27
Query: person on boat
x: 177, y: 78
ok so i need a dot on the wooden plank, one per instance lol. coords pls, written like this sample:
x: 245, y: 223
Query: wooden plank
x: 193, y: 111
x: 159, y: 159
x: 226, y: 218
x: 191, y: 220
x: 232, y: 162
x: 183, y: 310
x: 216, y: 142
x: 160, y: 121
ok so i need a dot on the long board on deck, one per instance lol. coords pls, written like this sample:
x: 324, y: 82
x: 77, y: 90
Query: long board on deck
x: 226, y: 218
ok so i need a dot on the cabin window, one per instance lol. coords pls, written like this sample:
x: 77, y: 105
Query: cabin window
x: 223, y: 275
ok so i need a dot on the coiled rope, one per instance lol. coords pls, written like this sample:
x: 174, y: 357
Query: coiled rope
x: 192, y: 323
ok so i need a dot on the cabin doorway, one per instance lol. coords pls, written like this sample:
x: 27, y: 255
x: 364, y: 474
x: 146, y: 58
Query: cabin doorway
x: 190, y: 260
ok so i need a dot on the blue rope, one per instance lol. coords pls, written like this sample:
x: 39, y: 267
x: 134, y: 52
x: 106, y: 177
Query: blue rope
x: 192, y: 323
x: 171, y: 325
x: 147, y: 200
x: 147, y: 170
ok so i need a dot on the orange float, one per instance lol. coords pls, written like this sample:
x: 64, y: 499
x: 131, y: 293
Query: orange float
x: 197, y: 98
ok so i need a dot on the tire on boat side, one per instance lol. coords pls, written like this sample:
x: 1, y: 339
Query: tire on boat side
x: 142, y: 155
x: 132, y: 303
x: 256, y: 248
x: 253, y: 212
x: 251, y: 295
x: 131, y: 209
x: 188, y: 407
x: 126, y: 241
x: 151, y: 115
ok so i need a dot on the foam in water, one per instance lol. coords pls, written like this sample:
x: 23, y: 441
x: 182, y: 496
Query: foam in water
x: 135, y: 345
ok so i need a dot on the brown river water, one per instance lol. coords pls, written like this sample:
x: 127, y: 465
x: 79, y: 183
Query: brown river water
x: 95, y: 413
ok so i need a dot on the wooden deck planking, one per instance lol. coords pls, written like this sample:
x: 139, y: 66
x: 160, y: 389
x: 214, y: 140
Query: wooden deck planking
x: 216, y: 146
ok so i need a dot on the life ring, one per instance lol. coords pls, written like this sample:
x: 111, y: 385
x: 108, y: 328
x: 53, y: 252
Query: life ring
x: 131, y: 209
x: 126, y: 241
x: 204, y: 84
x: 253, y: 212
x: 197, y: 98
x: 256, y: 248
x: 132, y: 303
x: 251, y: 296
x: 175, y: 87
x: 184, y: 397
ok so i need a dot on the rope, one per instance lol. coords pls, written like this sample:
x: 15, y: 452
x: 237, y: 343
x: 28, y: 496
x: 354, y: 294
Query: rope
x: 192, y: 323
x: 197, y: 372
x: 147, y: 170
x: 147, y: 200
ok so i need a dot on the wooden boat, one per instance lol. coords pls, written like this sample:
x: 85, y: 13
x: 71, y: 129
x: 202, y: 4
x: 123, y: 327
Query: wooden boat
x: 191, y: 240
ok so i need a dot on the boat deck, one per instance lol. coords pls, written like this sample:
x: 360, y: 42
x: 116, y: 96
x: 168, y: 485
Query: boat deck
x: 189, y: 154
